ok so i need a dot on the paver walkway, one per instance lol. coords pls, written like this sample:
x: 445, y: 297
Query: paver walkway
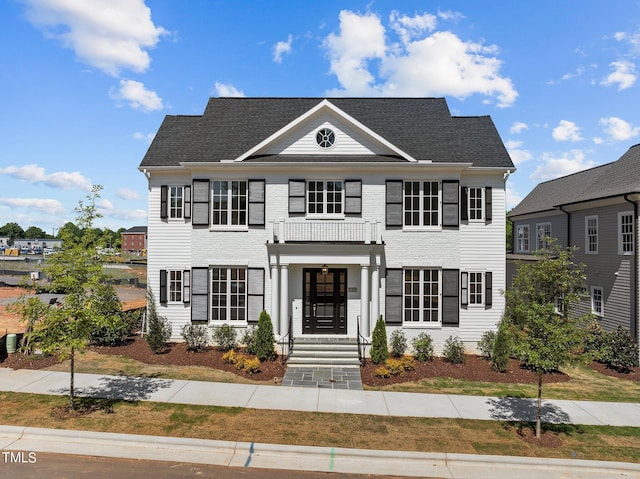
x: 329, y: 378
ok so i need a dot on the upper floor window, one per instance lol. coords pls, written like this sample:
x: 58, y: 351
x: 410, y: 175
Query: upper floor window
x: 591, y: 234
x: 544, y: 233
x: 625, y: 233
x: 523, y: 238
x: 475, y: 200
x: 597, y: 301
x: 325, y: 197
x: 176, y: 201
x: 421, y: 203
x: 421, y: 295
x: 229, y: 203
x: 228, y: 294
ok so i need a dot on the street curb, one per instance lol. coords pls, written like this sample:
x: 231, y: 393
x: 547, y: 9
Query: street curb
x: 307, y: 458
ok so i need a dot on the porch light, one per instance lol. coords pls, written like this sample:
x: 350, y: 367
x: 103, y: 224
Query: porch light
x: 325, y: 269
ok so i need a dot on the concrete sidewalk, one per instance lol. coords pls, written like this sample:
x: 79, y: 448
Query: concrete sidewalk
x: 380, y: 403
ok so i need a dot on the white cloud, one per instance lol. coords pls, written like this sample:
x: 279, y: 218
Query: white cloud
x: 48, y: 206
x: 512, y: 197
x: 553, y: 166
x: 138, y: 97
x: 435, y: 65
x: 518, y: 127
x: 128, y: 194
x: 517, y: 154
x: 142, y: 137
x: 60, y: 179
x: 567, y: 131
x: 624, y: 75
x: 225, y: 89
x: 108, y: 210
x: 111, y: 35
x: 618, y: 129
x: 281, y: 48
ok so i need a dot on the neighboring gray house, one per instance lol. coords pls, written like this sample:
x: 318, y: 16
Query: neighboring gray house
x: 597, y: 211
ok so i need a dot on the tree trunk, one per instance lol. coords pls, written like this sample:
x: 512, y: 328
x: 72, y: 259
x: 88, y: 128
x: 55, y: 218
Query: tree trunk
x: 538, y: 421
x: 72, y: 404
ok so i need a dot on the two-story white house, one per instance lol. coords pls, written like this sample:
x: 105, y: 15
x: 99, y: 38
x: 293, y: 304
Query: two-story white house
x: 328, y: 213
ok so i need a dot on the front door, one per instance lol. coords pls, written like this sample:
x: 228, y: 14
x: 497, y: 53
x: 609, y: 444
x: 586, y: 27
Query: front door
x: 325, y: 301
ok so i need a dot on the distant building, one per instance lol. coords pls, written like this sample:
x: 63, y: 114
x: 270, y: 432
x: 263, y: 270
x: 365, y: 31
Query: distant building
x: 4, y: 241
x: 134, y: 240
x: 38, y: 243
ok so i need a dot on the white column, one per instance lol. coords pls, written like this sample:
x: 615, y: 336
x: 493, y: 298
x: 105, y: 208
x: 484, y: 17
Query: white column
x: 284, y: 298
x: 375, y: 294
x: 275, y: 300
x: 364, y: 300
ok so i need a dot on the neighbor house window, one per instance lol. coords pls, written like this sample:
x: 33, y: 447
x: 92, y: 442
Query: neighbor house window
x: 229, y: 203
x: 544, y: 233
x: 421, y: 296
x: 476, y: 203
x: 625, y: 233
x: 175, y: 286
x: 325, y: 197
x: 591, y: 234
x: 176, y: 201
x: 228, y: 294
x: 523, y: 238
x: 421, y: 203
x: 597, y: 301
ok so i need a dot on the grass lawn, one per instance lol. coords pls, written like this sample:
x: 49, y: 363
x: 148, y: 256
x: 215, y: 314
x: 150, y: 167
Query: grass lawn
x: 320, y: 429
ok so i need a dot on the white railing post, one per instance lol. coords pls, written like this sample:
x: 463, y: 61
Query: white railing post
x: 367, y: 232
x: 281, y: 231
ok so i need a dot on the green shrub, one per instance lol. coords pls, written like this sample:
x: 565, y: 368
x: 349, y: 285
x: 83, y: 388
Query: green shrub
x: 158, y: 327
x: 379, y: 351
x: 196, y: 336
x: 422, y: 347
x: 265, y: 339
x: 485, y: 345
x: 381, y: 372
x: 621, y: 351
x: 595, y: 341
x: 249, y: 339
x: 394, y: 366
x: 398, y: 343
x: 453, y: 350
x: 113, y: 326
x: 225, y: 337
x: 501, y: 349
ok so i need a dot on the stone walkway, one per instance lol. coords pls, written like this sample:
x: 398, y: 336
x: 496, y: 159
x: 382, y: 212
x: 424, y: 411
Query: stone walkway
x: 329, y: 378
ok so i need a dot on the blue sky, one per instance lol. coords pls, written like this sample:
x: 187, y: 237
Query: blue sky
x: 85, y: 84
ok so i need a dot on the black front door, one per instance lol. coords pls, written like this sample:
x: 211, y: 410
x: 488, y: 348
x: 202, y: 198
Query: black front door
x: 325, y: 301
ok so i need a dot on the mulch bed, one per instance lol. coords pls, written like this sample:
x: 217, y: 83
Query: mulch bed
x: 633, y: 375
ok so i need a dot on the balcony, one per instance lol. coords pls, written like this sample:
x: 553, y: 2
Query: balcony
x: 325, y: 231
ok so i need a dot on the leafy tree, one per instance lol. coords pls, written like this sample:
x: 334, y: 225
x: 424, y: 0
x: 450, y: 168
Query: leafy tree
x: 158, y: 327
x: 509, y: 233
x: 542, y: 336
x: 65, y: 330
x: 33, y: 232
x: 265, y: 338
x: 12, y: 231
x: 379, y: 349
x: 70, y: 231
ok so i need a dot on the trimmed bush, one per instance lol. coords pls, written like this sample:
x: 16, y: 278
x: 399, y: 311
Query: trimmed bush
x: 225, y: 337
x: 422, y: 347
x: 485, y: 345
x: 379, y: 350
x: 382, y: 372
x: 595, y: 341
x: 196, y: 336
x: 229, y: 357
x: 408, y: 364
x: 251, y: 365
x: 453, y: 350
x: 265, y: 339
x: 398, y: 343
x: 621, y: 352
x: 501, y: 349
x: 113, y: 327
x: 394, y: 366
x: 158, y: 327
x: 249, y: 339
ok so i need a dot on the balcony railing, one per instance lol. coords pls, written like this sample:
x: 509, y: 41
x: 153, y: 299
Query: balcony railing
x: 328, y: 231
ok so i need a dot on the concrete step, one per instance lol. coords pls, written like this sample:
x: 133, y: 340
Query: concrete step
x: 324, y: 352
x: 308, y: 362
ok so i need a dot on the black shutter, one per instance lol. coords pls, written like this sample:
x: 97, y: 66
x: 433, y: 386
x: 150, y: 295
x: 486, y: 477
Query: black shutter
x: 163, y: 286
x: 488, y: 203
x: 186, y: 286
x: 488, y: 289
x: 164, y: 194
x: 297, y: 197
x: 393, y: 196
x: 393, y: 297
x: 464, y: 203
x: 464, y: 289
x: 200, y: 295
x: 450, y: 297
x: 187, y: 201
x: 255, y: 294
x: 256, y: 202
x: 201, y: 194
x: 353, y: 197
x: 450, y: 207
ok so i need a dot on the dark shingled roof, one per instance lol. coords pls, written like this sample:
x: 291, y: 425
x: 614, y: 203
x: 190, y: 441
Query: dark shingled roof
x: 421, y: 127
x: 613, y: 179
x: 136, y: 229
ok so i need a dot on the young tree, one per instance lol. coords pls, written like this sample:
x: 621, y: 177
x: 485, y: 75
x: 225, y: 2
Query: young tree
x: 379, y: 348
x: 543, y: 331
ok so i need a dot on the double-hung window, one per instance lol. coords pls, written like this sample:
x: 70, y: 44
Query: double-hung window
x: 591, y: 234
x: 421, y: 296
x: 421, y: 203
x: 625, y: 233
x: 597, y: 306
x: 175, y: 286
x: 475, y: 199
x: 544, y: 233
x: 229, y: 294
x: 230, y: 200
x: 476, y: 288
x: 176, y: 201
x: 523, y: 238
x: 325, y: 197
